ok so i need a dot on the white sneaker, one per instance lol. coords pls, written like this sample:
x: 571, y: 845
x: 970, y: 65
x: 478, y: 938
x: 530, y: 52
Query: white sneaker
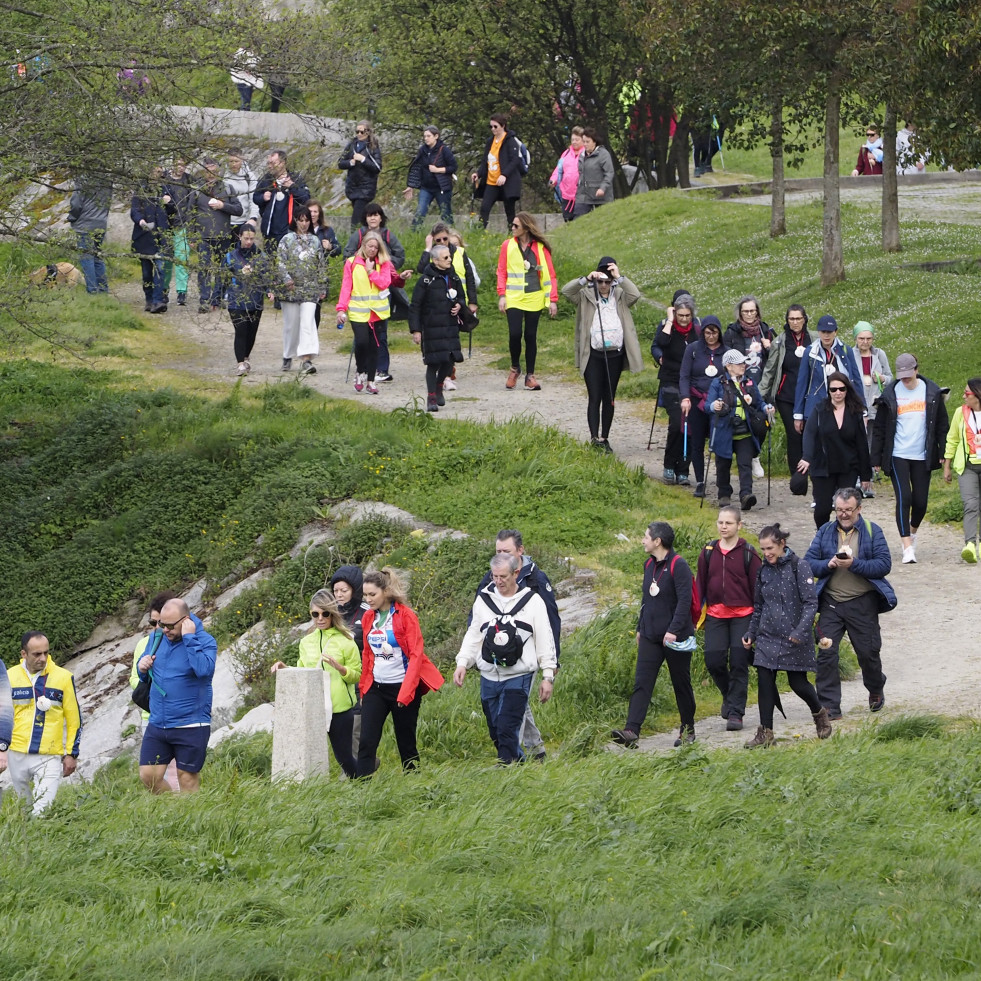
x: 372, y: 387
x: 449, y: 385
x: 909, y: 555
x: 359, y: 380
x: 758, y: 470
x: 242, y: 369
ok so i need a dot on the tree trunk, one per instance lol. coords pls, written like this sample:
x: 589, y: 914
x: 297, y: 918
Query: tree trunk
x: 890, y: 190
x: 679, y: 153
x: 832, y: 260
x: 778, y: 212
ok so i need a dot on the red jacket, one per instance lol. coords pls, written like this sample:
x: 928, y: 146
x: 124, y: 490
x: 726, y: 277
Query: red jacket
x: 420, y: 671
x: 867, y: 165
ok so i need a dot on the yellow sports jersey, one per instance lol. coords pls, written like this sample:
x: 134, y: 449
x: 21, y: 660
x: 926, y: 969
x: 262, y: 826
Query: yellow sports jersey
x: 47, y: 719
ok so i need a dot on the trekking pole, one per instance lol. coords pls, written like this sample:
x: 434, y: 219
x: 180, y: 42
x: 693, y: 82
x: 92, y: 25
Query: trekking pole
x: 470, y: 345
x: 708, y: 467
x: 657, y: 402
x: 769, y: 444
x: 684, y: 450
x: 349, y: 360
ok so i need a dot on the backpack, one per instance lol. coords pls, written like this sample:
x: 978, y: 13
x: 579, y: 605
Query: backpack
x: 695, y: 608
x: 503, y: 645
x: 524, y: 157
x: 748, y: 552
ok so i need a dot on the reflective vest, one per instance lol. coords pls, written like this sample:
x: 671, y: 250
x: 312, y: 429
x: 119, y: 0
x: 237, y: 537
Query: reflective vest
x: 365, y: 296
x: 514, y: 291
x: 459, y: 265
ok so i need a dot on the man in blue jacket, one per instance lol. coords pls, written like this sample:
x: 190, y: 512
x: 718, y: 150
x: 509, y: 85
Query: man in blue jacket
x: 825, y: 355
x: 180, y: 660
x: 850, y: 560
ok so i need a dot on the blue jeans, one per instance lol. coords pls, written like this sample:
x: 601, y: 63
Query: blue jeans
x: 153, y: 280
x: 504, y: 704
x: 426, y: 197
x: 212, y: 253
x: 90, y: 259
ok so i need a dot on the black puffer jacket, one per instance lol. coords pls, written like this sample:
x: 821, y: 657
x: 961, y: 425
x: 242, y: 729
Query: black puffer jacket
x: 884, y: 433
x: 362, y: 177
x: 430, y: 314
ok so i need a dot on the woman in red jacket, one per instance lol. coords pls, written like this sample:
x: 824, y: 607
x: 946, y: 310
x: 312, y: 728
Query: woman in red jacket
x: 395, y: 671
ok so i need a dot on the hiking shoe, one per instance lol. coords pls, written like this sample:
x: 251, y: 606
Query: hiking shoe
x: 439, y: 398
x: 604, y: 445
x: 734, y: 723
x: 822, y: 723
x: 248, y: 364
x: 371, y: 387
x: 539, y: 757
x: 158, y: 308
x: 747, y: 503
x: 359, y: 379
x: 204, y: 308
x: 431, y: 403
x: 700, y: 489
x: 308, y: 368
x: 242, y: 369
x: 724, y: 502
x: 763, y: 737
x: 834, y: 715
x: 909, y: 555
x: 669, y: 476
x: 625, y: 737
x: 685, y: 737
x: 449, y: 385
x: 531, y: 384
x: 512, y: 377
x: 287, y: 364
x: 146, y: 306
x: 876, y: 701
x: 969, y: 553
x: 683, y: 480
x: 758, y: 470
x: 383, y: 376
x: 181, y: 299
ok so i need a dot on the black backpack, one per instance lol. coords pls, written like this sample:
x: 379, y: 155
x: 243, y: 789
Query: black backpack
x: 502, y: 644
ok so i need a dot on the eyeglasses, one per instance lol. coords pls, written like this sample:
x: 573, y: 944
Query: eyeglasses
x: 798, y: 318
x: 751, y: 310
x: 170, y: 626
x: 318, y: 614
x: 154, y: 623
x: 837, y: 388
x: 848, y: 511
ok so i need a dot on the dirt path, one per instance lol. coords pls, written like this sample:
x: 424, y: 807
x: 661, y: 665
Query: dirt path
x: 930, y: 651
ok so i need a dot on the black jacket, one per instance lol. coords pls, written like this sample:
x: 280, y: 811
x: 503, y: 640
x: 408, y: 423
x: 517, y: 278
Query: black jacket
x: 181, y: 206
x: 672, y: 348
x: 147, y: 205
x: 430, y: 315
x: 361, y: 182
x: 508, y: 160
x: 737, y: 340
x: 830, y: 450
x: 396, y: 250
x: 884, y: 432
x: 470, y: 283
x: 275, y: 215
x: 670, y: 610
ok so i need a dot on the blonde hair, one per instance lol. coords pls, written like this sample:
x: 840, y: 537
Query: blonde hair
x: 324, y: 599
x: 457, y: 239
x: 390, y: 583
x: 383, y: 254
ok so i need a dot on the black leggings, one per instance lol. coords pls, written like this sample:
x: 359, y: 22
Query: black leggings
x: 341, y: 736
x: 366, y: 347
x: 699, y: 426
x: 767, y: 691
x: 246, y: 324
x: 911, y: 482
x: 435, y: 376
x: 795, y: 440
x: 824, y: 493
x: 530, y: 320
x: 493, y: 194
x: 377, y: 704
x: 602, y: 375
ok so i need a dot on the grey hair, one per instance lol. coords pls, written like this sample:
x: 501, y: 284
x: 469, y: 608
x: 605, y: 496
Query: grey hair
x: 502, y: 559
x: 440, y: 249
x: 687, y: 301
x: 848, y: 494
x: 748, y: 299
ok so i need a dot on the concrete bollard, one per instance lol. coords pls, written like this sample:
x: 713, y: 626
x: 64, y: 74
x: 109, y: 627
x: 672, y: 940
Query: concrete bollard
x: 303, y: 712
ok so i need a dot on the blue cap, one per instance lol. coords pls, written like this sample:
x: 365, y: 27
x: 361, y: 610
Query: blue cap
x: 827, y: 323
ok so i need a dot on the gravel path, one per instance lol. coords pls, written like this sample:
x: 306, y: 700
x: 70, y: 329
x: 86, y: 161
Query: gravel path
x: 930, y: 650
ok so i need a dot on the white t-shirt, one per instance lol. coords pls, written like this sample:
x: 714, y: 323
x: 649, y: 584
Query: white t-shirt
x: 910, y: 440
x: 390, y: 660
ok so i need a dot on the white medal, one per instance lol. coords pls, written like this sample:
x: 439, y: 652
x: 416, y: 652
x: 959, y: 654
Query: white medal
x: 711, y: 371
x: 280, y: 196
x: 799, y: 350
x: 387, y: 648
x: 829, y: 369
x: 43, y: 703
x: 654, y: 590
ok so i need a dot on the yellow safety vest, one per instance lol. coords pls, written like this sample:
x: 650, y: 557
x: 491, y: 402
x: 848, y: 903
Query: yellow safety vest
x: 459, y: 266
x: 365, y: 296
x: 514, y: 292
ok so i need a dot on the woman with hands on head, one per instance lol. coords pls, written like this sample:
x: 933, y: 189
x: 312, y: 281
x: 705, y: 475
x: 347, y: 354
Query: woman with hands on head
x: 330, y: 646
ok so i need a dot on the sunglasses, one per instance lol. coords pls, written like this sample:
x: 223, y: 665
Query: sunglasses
x: 318, y: 614
x: 153, y: 623
x: 170, y: 626
x: 871, y: 133
x: 837, y: 388
x: 444, y: 241
x: 361, y: 132
x: 515, y: 224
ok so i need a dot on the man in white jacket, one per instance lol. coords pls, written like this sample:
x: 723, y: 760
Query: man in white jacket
x: 508, y: 640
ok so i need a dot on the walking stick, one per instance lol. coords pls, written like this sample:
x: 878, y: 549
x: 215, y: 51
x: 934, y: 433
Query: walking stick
x: 708, y: 467
x: 769, y: 445
x: 657, y: 402
x: 684, y: 450
x: 349, y: 360
x: 470, y: 345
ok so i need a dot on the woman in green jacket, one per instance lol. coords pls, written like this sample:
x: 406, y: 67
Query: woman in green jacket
x: 963, y: 451
x: 330, y: 646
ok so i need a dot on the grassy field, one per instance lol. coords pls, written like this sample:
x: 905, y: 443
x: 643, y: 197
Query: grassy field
x: 852, y: 858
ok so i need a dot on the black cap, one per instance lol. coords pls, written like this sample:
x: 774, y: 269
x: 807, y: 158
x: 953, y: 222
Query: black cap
x: 605, y: 262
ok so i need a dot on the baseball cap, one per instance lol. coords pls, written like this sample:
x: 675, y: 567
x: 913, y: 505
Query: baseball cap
x: 906, y: 366
x: 827, y: 323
